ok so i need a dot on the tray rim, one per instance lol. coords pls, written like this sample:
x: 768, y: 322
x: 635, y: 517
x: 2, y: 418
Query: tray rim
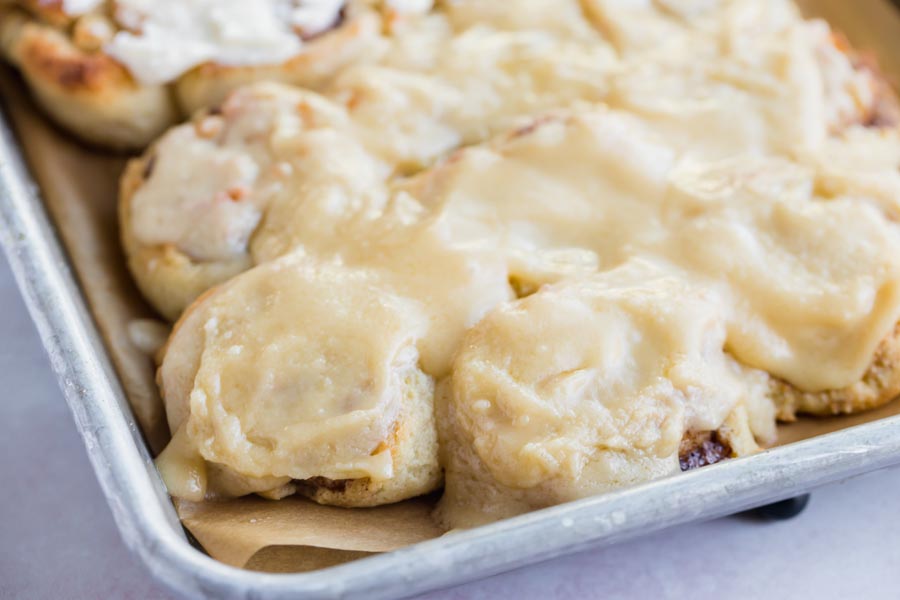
x: 150, y: 527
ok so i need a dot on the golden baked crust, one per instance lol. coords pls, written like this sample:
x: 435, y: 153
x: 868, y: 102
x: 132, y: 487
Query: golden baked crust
x: 50, y: 11
x: 487, y: 500
x: 879, y: 385
x: 414, y: 446
x: 95, y: 97
x: 86, y: 92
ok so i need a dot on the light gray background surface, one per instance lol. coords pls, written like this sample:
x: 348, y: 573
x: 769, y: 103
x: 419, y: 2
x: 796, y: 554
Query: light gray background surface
x: 58, y: 540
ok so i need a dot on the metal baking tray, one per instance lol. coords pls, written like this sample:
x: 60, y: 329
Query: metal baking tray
x: 151, y: 529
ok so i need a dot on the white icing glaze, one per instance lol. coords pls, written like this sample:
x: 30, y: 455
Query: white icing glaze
x: 166, y: 38
x: 80, y: 7
x: 410, y: 6
x: 725, y: 165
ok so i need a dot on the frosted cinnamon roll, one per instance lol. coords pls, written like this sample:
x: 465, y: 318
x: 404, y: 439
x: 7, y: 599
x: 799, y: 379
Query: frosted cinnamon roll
x: 772, y: 83
x: 668, y: 308
x: 190, y: 207
x: 104, y: 69
x: 278, y: 167
x: 789, y: 90
x: 299, y: 377
x: 571, y: 197
x: 589, y: 386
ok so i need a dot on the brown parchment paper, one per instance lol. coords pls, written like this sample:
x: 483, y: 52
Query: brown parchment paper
x: 79, y: 187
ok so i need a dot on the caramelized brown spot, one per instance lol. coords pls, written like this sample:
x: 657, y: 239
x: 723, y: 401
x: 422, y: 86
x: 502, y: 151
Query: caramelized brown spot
x: 208, y: 127
x: 840, y: 42
x: 885, y: 110
x: 69, y: 73
x: 50, y: 11
x: 342, y: 16
x: 885, y: 113
x: 310, y: 486
x: 701, y: 449
x: 69, y: 68
x: 391, y: 21
x: 149, y: 166
x: 236, y: 194
x: 306, y: 113
x: 356, y: 98
x: 522, y: 288
x: 393, y: 440
x: 532, y: 127
x: 50, y: 4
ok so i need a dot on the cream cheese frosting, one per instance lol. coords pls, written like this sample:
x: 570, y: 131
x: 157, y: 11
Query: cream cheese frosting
x: 316, y: 393
x: 800, y: 283
x: 409, y: 6
x: 163, y: 39
x: 659, y: 233
x: 787, y: 94
x: 314, y: 163
x: 586, y: 386
x: 736, y: 270
x: 80, y: 7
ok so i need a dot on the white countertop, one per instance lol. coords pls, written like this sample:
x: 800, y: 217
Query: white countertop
x: 57, y: 537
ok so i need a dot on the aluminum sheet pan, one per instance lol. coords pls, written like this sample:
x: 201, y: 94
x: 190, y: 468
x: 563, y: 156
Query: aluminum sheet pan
x: 151, y: 528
